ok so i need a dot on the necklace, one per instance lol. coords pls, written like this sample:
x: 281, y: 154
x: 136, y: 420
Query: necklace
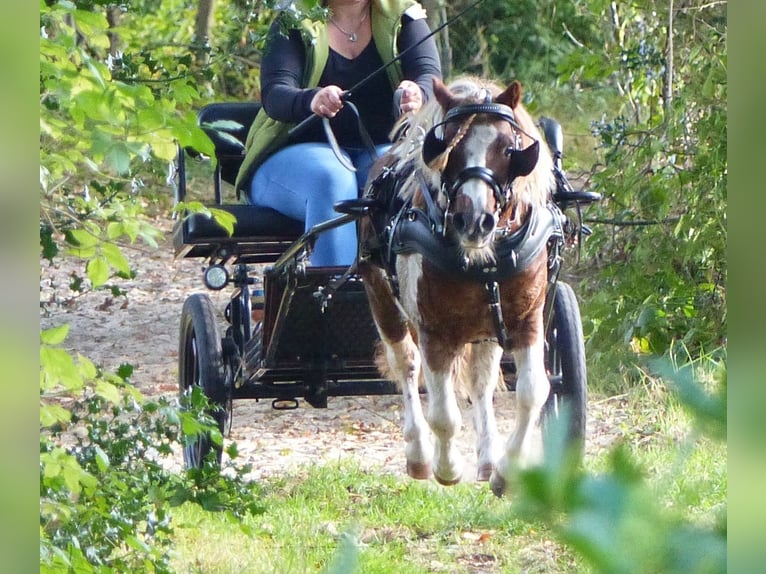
x: 351, y: 36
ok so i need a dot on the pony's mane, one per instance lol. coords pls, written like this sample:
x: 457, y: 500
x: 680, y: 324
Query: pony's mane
x: 533, y: 189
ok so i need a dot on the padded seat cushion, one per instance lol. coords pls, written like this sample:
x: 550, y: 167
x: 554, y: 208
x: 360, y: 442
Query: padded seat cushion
x: 252, y: 221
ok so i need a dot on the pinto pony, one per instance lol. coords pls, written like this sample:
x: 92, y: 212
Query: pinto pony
x: 455, y: 263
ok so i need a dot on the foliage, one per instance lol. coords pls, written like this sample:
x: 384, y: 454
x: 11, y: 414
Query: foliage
x: 659, y: 254
x: 119, y: 89
x: 104, y: 136
x: 615, y: 520
x: 106, y: 487
x: 533, y: 40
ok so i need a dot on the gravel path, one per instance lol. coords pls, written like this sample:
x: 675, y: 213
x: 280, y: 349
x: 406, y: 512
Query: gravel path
x: 141, y: 328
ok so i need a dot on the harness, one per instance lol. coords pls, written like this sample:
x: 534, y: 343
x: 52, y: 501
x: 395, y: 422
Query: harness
x: 402, y: 228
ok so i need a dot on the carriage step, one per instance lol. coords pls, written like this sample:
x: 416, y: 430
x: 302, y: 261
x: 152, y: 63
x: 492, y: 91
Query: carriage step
x: 285, y: 404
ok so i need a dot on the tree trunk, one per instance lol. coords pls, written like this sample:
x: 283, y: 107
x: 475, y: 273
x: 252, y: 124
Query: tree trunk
x: 113, y: 15
x: 202, y: 26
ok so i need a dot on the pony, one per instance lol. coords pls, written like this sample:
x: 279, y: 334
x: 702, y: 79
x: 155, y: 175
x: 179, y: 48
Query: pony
x: 454, y: 258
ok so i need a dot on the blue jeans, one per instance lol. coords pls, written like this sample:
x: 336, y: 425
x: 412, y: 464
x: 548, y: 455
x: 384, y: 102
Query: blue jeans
x: 303, y: 181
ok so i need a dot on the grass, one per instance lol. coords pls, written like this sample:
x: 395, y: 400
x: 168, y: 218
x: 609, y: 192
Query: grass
x: 399, y: 525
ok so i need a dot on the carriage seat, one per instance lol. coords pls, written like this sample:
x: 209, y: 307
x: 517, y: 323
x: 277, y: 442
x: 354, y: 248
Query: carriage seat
x: 261, y: 234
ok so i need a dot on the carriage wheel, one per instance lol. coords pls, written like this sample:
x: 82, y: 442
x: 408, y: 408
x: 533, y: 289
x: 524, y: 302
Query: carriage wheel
x: 200, y: 364
x: 565, y: 362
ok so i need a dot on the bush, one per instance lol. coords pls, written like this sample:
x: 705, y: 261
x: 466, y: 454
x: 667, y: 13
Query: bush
x: 106, y: 479
x: 614, y: 519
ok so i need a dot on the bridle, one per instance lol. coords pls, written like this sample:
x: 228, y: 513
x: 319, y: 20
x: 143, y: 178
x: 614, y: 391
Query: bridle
x: 522, y: 160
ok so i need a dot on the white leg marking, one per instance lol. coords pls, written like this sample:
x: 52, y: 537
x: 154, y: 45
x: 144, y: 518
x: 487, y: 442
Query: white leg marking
x: 532, y: 388
x: 482, y: 372
x: 404, y: 360
x: 417, y: 435
x: 445, y: 420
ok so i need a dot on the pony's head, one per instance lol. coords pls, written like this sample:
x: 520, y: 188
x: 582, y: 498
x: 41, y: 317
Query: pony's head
x: 483, y: 156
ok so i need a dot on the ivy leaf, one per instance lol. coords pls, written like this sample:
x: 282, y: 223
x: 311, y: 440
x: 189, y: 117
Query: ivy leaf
x: 48, y: 245
x: 125, y: 371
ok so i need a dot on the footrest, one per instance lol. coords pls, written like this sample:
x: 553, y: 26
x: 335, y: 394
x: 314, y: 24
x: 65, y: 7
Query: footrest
x: 358, y: 207
x: 565, y: 199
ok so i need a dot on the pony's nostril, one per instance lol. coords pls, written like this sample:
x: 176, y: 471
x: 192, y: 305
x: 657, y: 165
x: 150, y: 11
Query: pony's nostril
x: 487, y: 223
x: 460, y: 222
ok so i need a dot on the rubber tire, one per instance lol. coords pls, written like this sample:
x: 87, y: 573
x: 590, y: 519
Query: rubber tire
x: 200, y: 363
x: 565, y: 356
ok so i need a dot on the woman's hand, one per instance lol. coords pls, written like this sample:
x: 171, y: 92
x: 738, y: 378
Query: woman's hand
x: 412, y: 98
x: 327, y: 101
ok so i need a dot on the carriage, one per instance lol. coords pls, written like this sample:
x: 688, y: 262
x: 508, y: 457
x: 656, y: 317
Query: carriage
x: 316, y: 338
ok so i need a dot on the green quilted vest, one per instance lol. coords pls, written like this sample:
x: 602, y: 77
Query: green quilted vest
x: 268, y: 135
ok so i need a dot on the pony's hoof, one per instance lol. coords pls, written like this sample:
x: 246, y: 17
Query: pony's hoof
x: 419, y: 470
x: 484, y: 472
x: 498, y: 484
x: 447, y: 482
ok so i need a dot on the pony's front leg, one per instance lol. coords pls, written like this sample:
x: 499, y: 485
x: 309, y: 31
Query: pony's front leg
x: 403, y: 362
x: 482, y: 371
x: 444, y: 416
x: 399, y: 360
x: 532, y: 389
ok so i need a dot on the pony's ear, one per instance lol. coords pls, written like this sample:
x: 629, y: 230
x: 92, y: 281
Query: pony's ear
x: 511, y: 96
x: 442, y: 94
x: 523, y: 161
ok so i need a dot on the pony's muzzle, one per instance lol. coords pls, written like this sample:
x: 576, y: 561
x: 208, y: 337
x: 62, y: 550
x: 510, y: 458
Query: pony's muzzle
x: 474, y: 227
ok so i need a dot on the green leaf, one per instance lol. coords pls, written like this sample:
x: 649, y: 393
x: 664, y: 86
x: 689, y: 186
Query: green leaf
x: 114, y: 230
x: 125, y: 371
x: 57, y: 368
x: 183, y: 92
x: 88, y: 369
x: 53, y: 414
x: 118, y: 158
x: 115, y: 258
x: 54, y: 335
x: 97, y: 271
x: 102, y: 459
x: 109, y: 392
x: 81, y: 238
x: 224, y: 219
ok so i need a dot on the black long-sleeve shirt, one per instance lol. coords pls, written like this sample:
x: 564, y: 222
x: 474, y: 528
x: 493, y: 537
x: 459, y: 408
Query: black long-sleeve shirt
x: 284, y: 99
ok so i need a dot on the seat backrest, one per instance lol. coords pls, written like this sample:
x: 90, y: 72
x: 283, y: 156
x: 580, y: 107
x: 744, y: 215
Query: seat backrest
x: 554, y: 136
x: 227, y: 125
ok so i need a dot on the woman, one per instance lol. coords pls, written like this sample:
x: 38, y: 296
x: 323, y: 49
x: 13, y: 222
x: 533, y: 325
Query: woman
x: 306, y: 72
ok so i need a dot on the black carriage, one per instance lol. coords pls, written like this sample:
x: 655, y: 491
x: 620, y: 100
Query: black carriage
x: 316, y: 339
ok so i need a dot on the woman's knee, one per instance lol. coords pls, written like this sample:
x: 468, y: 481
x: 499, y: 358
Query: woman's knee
x: 335, y: 184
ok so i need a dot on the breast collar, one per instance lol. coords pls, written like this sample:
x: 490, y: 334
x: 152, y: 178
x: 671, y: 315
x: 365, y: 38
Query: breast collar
x: 412, y: 231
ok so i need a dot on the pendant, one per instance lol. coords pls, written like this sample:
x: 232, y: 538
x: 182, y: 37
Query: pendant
x: 352, y: 37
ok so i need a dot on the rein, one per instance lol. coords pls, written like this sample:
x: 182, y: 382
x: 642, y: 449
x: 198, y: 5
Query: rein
x: 348, y: 94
